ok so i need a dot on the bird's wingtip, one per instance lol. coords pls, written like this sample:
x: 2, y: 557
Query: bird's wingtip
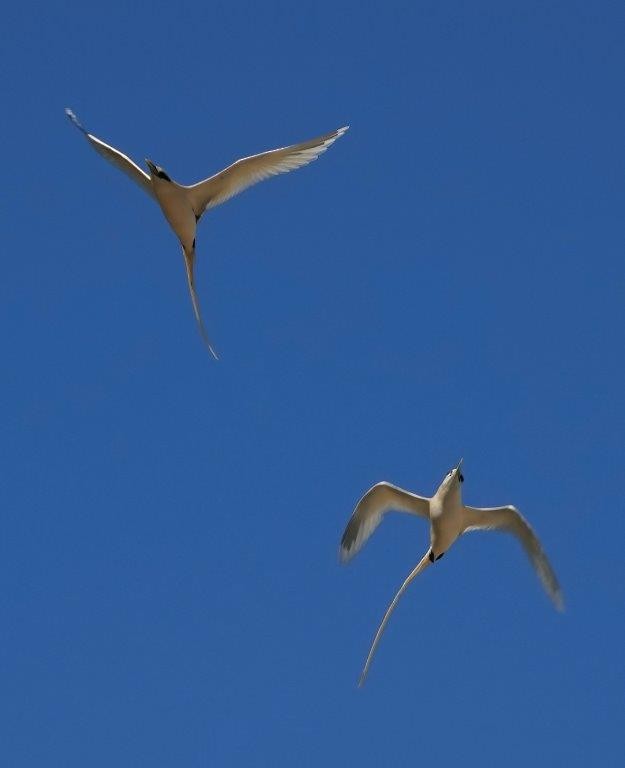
x: 345, y: 554
x: 71, y: 115
x: 559, y: 602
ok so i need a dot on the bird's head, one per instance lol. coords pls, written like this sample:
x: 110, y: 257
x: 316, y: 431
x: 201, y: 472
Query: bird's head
x: 156, y: 170
x: 453, y: 478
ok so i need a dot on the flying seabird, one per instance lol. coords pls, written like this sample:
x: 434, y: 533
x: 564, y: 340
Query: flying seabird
x: 183, y: 206
x: 449, y: 518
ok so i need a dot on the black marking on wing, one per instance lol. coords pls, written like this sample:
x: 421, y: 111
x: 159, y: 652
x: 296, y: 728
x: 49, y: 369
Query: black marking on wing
x: 350, y: 535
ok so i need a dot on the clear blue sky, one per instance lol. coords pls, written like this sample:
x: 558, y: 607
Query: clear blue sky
x: 448, y: 280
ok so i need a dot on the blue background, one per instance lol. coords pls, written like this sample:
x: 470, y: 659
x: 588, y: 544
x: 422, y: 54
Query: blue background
x: 447, y: 280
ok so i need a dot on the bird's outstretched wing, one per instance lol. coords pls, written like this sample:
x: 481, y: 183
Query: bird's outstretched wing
x: 420, y: 567
x: 510, y: 520
x: 114, y: 156
x: 369, y: 511
x: 250, y: 170
x: 189, y: 260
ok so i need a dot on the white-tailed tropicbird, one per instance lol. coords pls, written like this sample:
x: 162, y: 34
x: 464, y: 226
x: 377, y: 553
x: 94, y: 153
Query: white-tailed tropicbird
x: 449, y: 518
x: 184, y: 206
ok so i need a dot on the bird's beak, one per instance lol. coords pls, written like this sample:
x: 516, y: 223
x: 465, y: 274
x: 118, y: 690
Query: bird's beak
x: 150, y: 165
x: 459, y: 465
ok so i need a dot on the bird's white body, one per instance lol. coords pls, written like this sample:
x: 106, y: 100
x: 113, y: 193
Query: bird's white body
x: 449, y: 518
x: 174, y: 202
x: 445, y: 520
x: 183, y: 206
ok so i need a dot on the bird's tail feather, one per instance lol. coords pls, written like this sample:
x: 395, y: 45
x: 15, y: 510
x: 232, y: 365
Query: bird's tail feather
x: 420, y: 567
x: 189, y: 259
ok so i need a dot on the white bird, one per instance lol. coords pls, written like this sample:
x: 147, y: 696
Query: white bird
x: 184, y: 206
x: 449, y: 518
